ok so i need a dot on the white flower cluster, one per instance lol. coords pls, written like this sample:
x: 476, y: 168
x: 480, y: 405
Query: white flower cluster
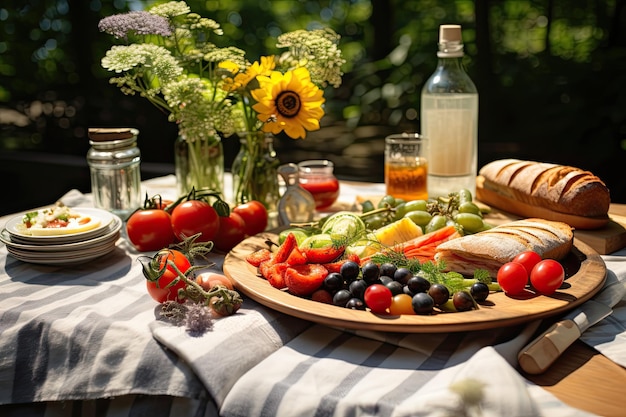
x: 316, y: 50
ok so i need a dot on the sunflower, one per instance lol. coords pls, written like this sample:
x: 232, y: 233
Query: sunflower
x: 289, y: 102
x: 238, y: 79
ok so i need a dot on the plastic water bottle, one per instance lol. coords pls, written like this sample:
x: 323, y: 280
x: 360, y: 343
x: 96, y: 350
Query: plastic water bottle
x: 449, y: 119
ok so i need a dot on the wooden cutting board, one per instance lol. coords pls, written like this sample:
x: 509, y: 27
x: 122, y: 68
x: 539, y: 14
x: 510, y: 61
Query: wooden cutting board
x: 605, y: 240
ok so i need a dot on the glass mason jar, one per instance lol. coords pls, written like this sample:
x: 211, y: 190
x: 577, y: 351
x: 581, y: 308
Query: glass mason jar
x: 114, y: 164
x: 254, y: 170
x: 317, y: 177
x: 199, y: 164
x: 297, y: 205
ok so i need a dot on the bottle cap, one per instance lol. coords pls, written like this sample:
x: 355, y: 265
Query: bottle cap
x: 450, y: 41
x: 97, y: 134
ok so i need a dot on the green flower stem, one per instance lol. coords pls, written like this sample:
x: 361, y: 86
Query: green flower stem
x: 255, y: 171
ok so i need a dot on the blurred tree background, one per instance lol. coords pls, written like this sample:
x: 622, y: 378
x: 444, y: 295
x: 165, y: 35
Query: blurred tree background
x: 551, y: 76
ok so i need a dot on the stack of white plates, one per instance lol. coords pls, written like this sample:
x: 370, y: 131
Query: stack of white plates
x: 73, y: 248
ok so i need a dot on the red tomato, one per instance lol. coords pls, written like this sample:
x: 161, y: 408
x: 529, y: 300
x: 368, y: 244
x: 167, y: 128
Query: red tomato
x: 254, y: 215
x: 161, y: 290
x: 529, y: 259
x: 512, y: 278
x: 231, y: 232
x: 195, y: 216
x: 150, y: 230
x: 378, y: 298
x: 547, y: 276
x: 208, y: 280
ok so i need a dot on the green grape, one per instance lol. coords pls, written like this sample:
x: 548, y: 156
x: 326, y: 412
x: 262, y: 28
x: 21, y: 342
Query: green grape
x: 387, y: 200
x: 367, y: 206
x: 413, y: 205
x: 465, y: 196
x: 375, y: 222
x: 437, y: 222
x: 471, y: 222
x: 400, y: 211
x: 469, y: 207
x: 419, y: 217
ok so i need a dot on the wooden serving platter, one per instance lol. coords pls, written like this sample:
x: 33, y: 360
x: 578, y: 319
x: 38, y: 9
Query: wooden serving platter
x: 585, y: 271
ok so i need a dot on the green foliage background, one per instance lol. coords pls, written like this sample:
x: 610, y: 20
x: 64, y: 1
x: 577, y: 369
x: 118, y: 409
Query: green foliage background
x: 551, y: 76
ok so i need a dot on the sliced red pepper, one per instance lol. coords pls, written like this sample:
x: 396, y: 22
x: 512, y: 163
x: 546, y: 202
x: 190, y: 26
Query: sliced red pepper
x: 296, y: 257
x: 256, y: 257
x: 304, y: 279
x: 323, y: 255
x: 285, y: 249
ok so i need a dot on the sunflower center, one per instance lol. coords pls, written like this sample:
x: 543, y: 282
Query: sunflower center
x: 288, y: 103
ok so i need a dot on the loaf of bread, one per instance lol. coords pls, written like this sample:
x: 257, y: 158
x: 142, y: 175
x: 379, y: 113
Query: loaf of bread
x: 550, y: 191
x: 492, y: 248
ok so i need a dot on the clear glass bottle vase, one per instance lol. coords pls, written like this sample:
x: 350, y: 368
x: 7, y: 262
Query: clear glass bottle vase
x: 254, y: 170
x: 199, y: 164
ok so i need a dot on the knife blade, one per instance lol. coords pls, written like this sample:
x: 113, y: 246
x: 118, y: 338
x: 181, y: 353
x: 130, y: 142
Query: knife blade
x: 539, y: 354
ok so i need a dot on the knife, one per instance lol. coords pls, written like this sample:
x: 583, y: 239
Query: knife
x: 539, y: 354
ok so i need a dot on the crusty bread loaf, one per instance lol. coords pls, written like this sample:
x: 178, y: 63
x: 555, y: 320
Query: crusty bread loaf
x: 535, y: 185
x: 492, y: 248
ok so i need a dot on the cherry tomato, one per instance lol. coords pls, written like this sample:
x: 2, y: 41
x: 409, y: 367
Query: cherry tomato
x: 401, y: 304
x: 231, y: 232
x: 150, y: 229
x: 208, y: 280
x: 160, y: 290
x: 547, y: 276
x: 195, y: 216
x: 378, y: 298
x: 529, y: 259
x: 512, y: 278
x: 254, y: 215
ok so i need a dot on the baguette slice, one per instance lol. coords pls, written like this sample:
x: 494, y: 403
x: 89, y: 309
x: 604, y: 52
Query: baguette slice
x: 555, y: 192
x: 493, y: 248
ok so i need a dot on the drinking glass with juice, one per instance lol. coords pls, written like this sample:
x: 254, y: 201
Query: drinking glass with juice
x: 406, y: 168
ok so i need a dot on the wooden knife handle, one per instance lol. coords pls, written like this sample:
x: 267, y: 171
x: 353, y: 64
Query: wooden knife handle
x: 539, y: 354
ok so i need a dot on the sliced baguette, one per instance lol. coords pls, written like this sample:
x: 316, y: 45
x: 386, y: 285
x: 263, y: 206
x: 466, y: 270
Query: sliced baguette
x: 557, y: 192
x: 494, y: 247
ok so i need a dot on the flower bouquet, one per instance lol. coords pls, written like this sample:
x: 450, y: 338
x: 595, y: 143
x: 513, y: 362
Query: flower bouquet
x: 167, y: 57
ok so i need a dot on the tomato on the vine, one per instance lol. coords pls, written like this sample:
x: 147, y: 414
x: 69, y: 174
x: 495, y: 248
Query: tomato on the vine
x: 150, y: 229
x: 231, y: 232
x: 167, y: 286
x: 512, y: 278
x: 547, y: 276
x: 254, y: 215
x: 528, y: 259
x: 195, y: 216
x: 378, y: 298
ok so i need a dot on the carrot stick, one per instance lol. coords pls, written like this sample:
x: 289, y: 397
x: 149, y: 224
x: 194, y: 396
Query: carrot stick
x: 423, y: 246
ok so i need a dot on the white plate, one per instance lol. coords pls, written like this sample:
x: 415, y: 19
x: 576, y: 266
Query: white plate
x: 107, y: 234
x: 73, y: 254
x: 104, y: 216
x: 66, y: 260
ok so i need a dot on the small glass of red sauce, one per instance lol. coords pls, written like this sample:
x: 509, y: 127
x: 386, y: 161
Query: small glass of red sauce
x: 316, y: 176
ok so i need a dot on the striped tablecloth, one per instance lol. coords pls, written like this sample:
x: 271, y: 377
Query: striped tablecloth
x: 87, y: 340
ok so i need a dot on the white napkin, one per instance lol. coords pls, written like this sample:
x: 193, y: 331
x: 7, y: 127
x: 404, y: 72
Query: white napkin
x: 232, y: 346
x: 609, y: 335
x: 328, y: 372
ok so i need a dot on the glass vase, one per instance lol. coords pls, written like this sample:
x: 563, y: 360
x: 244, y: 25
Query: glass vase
x: 199, y: 164
x: 254, y: 170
